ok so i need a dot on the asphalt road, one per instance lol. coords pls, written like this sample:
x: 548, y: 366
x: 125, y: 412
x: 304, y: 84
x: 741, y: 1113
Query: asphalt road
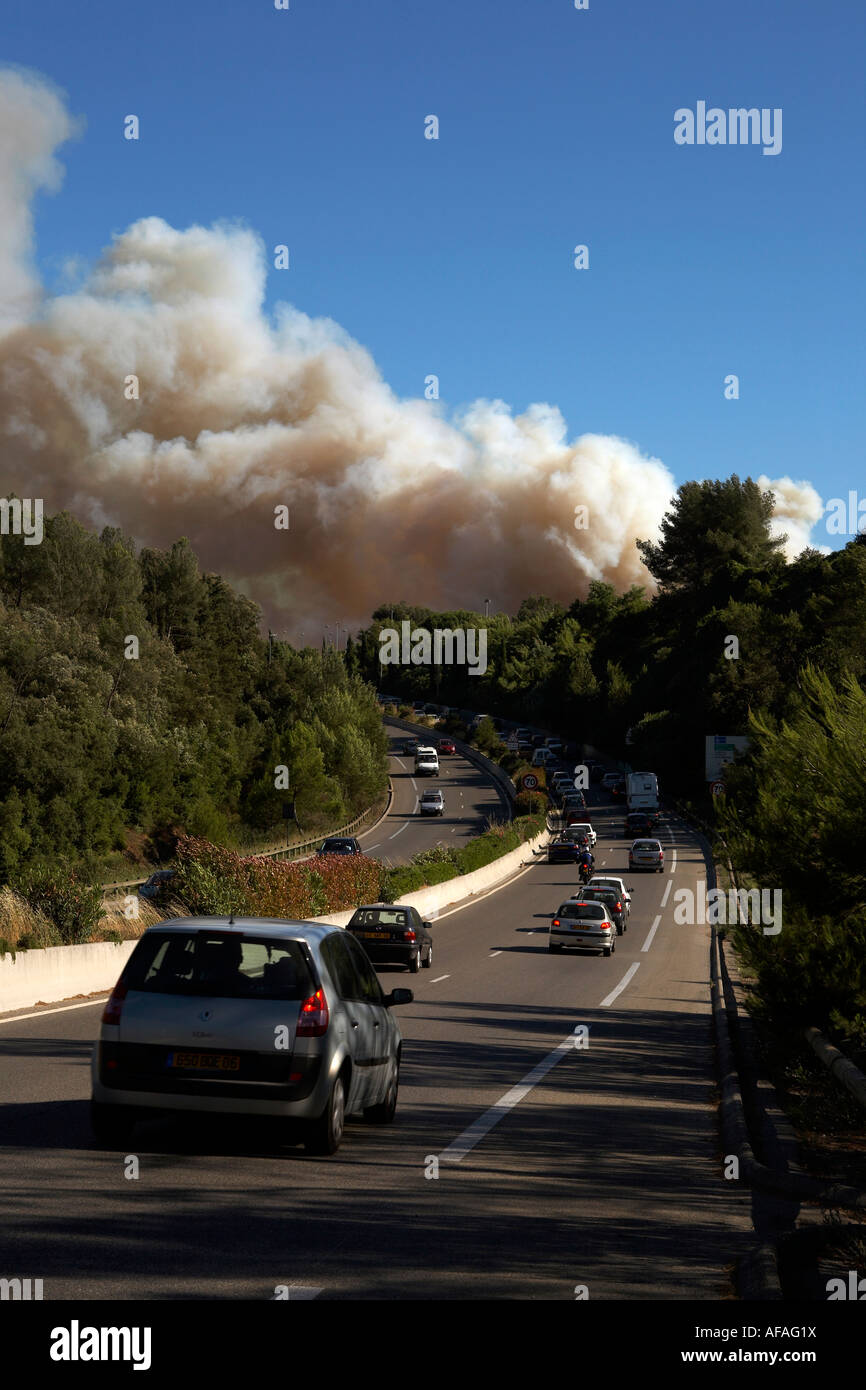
x: 558, y: 1166
x: 471, y: 801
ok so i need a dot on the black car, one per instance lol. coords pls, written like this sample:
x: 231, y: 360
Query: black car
x: 340, y: 844
x: 563, y: 850
x: 612, y: 901
x: 639, y: 823
x: 393, y: 932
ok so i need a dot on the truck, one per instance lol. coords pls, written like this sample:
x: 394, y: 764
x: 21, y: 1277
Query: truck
x: 642, y: 791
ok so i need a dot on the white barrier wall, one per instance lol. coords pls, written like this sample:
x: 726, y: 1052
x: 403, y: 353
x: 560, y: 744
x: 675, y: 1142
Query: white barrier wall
x: 431, y: 901
x: 60, y: 972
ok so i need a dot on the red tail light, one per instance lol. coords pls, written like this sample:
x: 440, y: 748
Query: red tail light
x: 111, y: 1012
x: 314, y: 1016
x: 555, y: 922
x: 617, y: 907
x: 409, y: 935
x: 605, y: 926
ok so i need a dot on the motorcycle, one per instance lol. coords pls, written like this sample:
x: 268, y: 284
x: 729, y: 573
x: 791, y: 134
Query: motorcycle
x: 585, y: 872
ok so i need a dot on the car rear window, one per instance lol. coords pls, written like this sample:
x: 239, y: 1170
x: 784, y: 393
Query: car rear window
x: 647, y: 844
x: 379, y: 917
x: 227, y: 965
x: 587, y: 912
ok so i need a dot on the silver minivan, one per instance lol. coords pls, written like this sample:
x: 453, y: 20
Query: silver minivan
x: 247, y: 1016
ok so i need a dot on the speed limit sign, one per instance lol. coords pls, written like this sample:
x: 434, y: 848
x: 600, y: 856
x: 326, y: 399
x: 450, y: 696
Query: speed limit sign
x: 718, y: 788
x: 530, y: 781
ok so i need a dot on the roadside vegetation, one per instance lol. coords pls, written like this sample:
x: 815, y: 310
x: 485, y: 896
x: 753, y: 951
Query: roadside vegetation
x: 138, y: 699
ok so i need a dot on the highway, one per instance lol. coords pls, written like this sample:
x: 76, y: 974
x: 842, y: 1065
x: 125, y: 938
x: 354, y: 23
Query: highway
x: 520, y: 1166
x: 471, y: 801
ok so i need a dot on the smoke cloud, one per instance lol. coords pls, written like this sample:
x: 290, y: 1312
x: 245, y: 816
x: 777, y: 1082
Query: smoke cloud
x: 240, y: 413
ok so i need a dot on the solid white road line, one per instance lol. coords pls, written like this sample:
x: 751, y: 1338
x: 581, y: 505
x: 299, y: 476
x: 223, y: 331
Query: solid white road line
x: 673, y: 860
x: 466, y: 1141
x: 653, y: 930
x: 606, y: 1003
x: 668, y: 886
x: 41, y: 1013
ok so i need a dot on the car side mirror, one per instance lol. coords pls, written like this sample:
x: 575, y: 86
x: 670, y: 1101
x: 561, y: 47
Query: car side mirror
x: 398, y: 996
x: 428, y: 925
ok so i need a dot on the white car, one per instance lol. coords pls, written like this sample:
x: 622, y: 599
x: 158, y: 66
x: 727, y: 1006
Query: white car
x: 647, y: 854
x: 432, y: 804
x: 583, y: 926
x: 583, y: 827
x: 608, y: 881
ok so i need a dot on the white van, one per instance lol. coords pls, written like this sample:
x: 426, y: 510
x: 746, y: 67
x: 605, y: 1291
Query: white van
x: 427, y: 762
x: 542, y: 757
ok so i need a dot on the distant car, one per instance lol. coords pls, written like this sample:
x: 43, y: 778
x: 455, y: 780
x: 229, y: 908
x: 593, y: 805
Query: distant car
x: 617, y: 788
x: 609, y: 881
x: 432, y: 804
x: 418, y: 706
x: 431, y: 709
x: 192, y: 1023
x: 555, y: 746
x: 563, y: 850
x: 157, y: 885
x: 583, y: 828
x: 583, y: 926
x: 639, y: 823
x: 612, y: 901
x: 541, y: 757
x: 610, y: 778
x: 408, y: 747
x: 447, y: 745
x: 393, y: 932
x: 647, y: 854
x: 562, y: 779
x: 340, y: 844
x: 573, y: 801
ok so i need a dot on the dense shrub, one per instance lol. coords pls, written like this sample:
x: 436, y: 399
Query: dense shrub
x: 406, y: 878
x: 215, y: 881
x: 72, y: 907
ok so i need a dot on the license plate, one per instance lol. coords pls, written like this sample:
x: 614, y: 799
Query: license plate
x: 376, y: 935
x: 204, y: 1061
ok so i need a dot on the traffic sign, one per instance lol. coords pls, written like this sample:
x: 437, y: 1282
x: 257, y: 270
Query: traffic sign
x: 530, y: 781
x: 717, y: 788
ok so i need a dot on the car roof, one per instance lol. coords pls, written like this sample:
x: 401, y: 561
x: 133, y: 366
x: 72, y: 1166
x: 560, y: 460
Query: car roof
x: 257, y: 926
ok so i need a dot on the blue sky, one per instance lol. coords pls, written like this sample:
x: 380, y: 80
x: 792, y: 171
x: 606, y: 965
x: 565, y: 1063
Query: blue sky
x: 454, y: 256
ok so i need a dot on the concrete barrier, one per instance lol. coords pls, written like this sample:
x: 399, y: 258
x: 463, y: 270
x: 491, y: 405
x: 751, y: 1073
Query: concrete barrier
x: 431, y: 901
x: 60, y: 972
x: 63, y: 972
